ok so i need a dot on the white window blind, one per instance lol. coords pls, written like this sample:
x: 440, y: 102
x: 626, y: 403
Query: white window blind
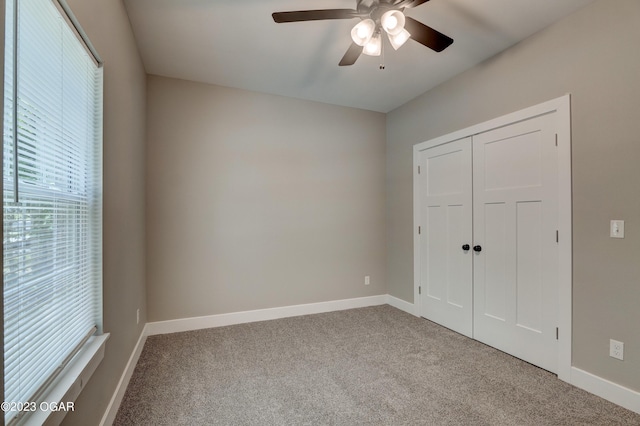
x: 52, y: 212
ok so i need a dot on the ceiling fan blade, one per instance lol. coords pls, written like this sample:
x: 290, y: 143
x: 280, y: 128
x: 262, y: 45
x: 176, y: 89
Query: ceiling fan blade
x: 409, y: 3
x: 353, y: 53
x: 416, y: 3
x: 314, y: 15
x: 426, y: 35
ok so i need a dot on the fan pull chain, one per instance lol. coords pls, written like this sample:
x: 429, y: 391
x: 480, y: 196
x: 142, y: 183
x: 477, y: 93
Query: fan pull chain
x: 382, y: 53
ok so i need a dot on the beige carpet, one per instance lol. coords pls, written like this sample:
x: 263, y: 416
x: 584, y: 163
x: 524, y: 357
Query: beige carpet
x: 370, y: 366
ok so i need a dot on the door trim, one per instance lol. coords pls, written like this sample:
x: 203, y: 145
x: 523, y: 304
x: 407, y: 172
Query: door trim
x: 561, y: 107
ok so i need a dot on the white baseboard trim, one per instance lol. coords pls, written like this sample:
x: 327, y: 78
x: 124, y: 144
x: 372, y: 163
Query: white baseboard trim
x: 401, y: 304
x: 221, y: 320
x: 606, y: 389
x: 112, y: 409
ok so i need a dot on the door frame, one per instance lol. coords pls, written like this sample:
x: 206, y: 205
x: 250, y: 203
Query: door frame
x: 561, y: 108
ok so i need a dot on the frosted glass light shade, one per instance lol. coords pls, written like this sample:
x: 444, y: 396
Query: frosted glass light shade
x: 374, y: 47
x: 363, y: 32
x: 392, y: 22
x: 399, y: 39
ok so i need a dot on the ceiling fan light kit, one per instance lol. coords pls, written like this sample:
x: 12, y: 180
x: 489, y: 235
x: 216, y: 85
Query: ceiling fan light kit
x: 392, y: 22
x: 363, y: 32
x: 375, y: 16
x: 399, y: 39
x: 374, y: 47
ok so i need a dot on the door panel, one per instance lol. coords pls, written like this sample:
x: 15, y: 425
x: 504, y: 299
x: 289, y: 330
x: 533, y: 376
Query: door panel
x: 436, y: 255
x: 445, y: 211
x: 513, y: 162
x: 449, y: 164
x: 529, y: 265
x: 495, y: 262
x: 458, y: 283
x: 515, y: 222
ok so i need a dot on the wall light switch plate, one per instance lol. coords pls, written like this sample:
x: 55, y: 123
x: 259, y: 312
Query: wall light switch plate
x: 617, y: 229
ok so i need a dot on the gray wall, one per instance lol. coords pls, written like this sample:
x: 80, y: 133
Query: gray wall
x: 257, y: 201
x: 593, y: 55
x: 107, y: 25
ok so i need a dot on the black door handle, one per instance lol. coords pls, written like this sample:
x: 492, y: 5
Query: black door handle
x: 465, y: 247
x: 477, y: 248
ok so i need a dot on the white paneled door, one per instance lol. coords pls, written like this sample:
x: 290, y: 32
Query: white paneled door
x: 486, y: 250
x: 445, y: 188
x: 515, y: 248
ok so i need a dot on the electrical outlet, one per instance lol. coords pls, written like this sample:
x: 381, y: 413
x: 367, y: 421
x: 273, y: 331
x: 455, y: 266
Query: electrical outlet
x: 367, y: 280
x: 616, y: 349
x: 616, y: 229
x: 138, y: 316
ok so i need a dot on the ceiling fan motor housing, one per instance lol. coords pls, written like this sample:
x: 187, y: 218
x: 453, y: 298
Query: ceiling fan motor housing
x: 376, y: 9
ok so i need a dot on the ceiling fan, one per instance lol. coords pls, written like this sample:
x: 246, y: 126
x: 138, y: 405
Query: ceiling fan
x: 376, y: 17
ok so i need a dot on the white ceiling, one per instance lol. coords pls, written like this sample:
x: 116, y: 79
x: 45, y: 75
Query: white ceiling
x: 235, y: 43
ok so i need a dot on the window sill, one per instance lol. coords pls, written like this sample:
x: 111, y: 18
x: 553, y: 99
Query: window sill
x: 63, y: 392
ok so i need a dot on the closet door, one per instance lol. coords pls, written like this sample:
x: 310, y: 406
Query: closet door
x: 515, y: 247
x: 445, y: 220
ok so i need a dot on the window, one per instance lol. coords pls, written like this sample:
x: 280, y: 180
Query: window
x: 52, y: 196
